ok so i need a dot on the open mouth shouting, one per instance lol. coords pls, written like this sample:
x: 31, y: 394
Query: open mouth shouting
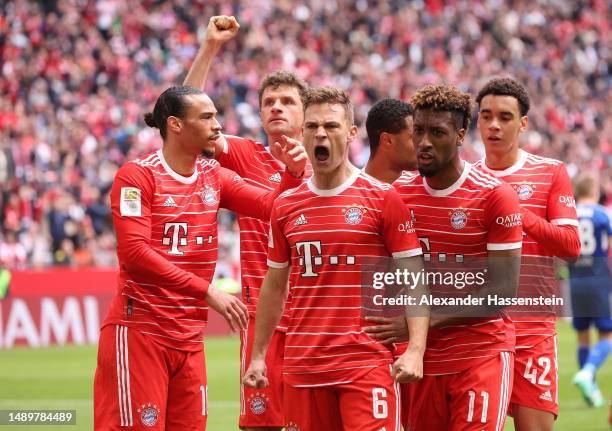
x: 321, y: 153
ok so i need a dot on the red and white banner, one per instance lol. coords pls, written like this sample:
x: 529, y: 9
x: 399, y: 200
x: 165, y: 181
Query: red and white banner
x: 63, y: 306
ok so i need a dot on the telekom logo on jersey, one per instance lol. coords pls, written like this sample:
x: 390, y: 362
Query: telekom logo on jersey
x: 304, y: 248
x: 175, y: 235
x: 310, y: 257
x: 176, y: 238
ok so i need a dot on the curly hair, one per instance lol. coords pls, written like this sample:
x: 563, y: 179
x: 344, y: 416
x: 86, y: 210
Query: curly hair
x: 445, y: 98
x: 283, y: 77
x: 320, y: 95
x: 506, y: 87
x: 387, y: 115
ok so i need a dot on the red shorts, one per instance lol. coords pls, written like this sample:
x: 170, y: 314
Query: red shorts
x: 370, y: 403
x: 406, y: 402
x: 142, y: 385
x: 262, y: 407
x: 535, y: 377
x: 475, y: 399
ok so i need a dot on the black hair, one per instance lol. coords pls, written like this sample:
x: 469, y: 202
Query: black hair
x: 506, y: 87
x: 170, y: 103
x: 387, y: 115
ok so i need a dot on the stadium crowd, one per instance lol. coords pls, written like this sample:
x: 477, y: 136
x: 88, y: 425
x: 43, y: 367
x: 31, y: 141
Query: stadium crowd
x: 76, y: 77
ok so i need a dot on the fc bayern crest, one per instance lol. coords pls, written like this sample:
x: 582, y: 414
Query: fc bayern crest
x: 291, y: 426
x: 354, y: 214
x: 149, y: 414
x: 458, y: 219
x: 258, y: 403
x: 209, y: 196
x: 524, y: 191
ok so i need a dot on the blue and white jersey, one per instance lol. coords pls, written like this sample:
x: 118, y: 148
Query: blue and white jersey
x: 595, y: 229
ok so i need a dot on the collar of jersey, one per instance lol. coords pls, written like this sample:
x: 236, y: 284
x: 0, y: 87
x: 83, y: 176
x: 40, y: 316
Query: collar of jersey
x: 447, y: 191
x: 336, y: 190
x: 177, y: 176
x: 512, y: 169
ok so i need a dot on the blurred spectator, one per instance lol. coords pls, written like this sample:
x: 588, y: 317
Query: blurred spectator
x: 77, y: 75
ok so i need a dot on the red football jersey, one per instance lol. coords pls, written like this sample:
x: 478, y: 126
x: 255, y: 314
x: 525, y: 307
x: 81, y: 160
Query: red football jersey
x: 253, y: 162
x: 166, y: 227
x: 325, y: 235
x: 544, y: 187
x: 476, y: 214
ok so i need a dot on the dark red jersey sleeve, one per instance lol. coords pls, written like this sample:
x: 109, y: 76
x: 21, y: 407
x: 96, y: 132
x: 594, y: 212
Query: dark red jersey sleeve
x: 131, y: 197
x: 251, y: 201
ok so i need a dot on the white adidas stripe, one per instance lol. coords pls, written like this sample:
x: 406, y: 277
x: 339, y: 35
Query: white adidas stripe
x: 504, y: 392
x: 243, y: 368
x: 123, y: 376
x: 119, y: 376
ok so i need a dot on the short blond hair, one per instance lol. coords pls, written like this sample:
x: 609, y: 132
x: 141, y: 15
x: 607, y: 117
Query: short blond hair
x: 585, y: 185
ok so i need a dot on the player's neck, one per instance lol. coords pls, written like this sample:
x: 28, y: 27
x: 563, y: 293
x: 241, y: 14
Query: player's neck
x: 501, y: 161
x: 378, y: 169
x: 179, y: 161
x: 446, y: 178
x: 331, y: 180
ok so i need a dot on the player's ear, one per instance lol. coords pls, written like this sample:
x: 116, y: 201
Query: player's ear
x: 460, y: 137
x: 384, y: 139
x: 524, y: 123
x: 174, y: 124
x: 352, y: 134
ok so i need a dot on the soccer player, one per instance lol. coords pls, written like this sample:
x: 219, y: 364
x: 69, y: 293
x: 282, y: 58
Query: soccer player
x: 150, y: 359
x: 548, y: 212
x: 336, y: 377
x: 460, y: 214
x: 282, y: 115
x: 590, y: 283
x: 389, y: 127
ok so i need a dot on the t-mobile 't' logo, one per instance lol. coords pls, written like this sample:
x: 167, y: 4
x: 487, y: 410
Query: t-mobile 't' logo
x: 176, y: 239
x: 309, y: 260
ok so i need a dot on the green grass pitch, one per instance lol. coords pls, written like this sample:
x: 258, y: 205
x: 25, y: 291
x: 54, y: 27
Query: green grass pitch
x: 61, y: 378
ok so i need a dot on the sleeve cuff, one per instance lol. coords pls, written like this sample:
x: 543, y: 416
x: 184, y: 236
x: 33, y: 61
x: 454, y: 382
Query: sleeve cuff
x: 565, y: 222
x: 504, y: 246
x: 407, y: 253
x: 200, y: 284
x: 277, y: 265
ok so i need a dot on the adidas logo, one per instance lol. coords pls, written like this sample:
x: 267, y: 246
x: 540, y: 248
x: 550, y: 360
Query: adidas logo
x: 301, y: 220
x: 546, y: 396
x: 170, y: 202
x: 275, y: 178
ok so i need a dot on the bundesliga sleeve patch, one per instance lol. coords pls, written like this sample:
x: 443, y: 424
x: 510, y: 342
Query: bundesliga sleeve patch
x: 130, y: 205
